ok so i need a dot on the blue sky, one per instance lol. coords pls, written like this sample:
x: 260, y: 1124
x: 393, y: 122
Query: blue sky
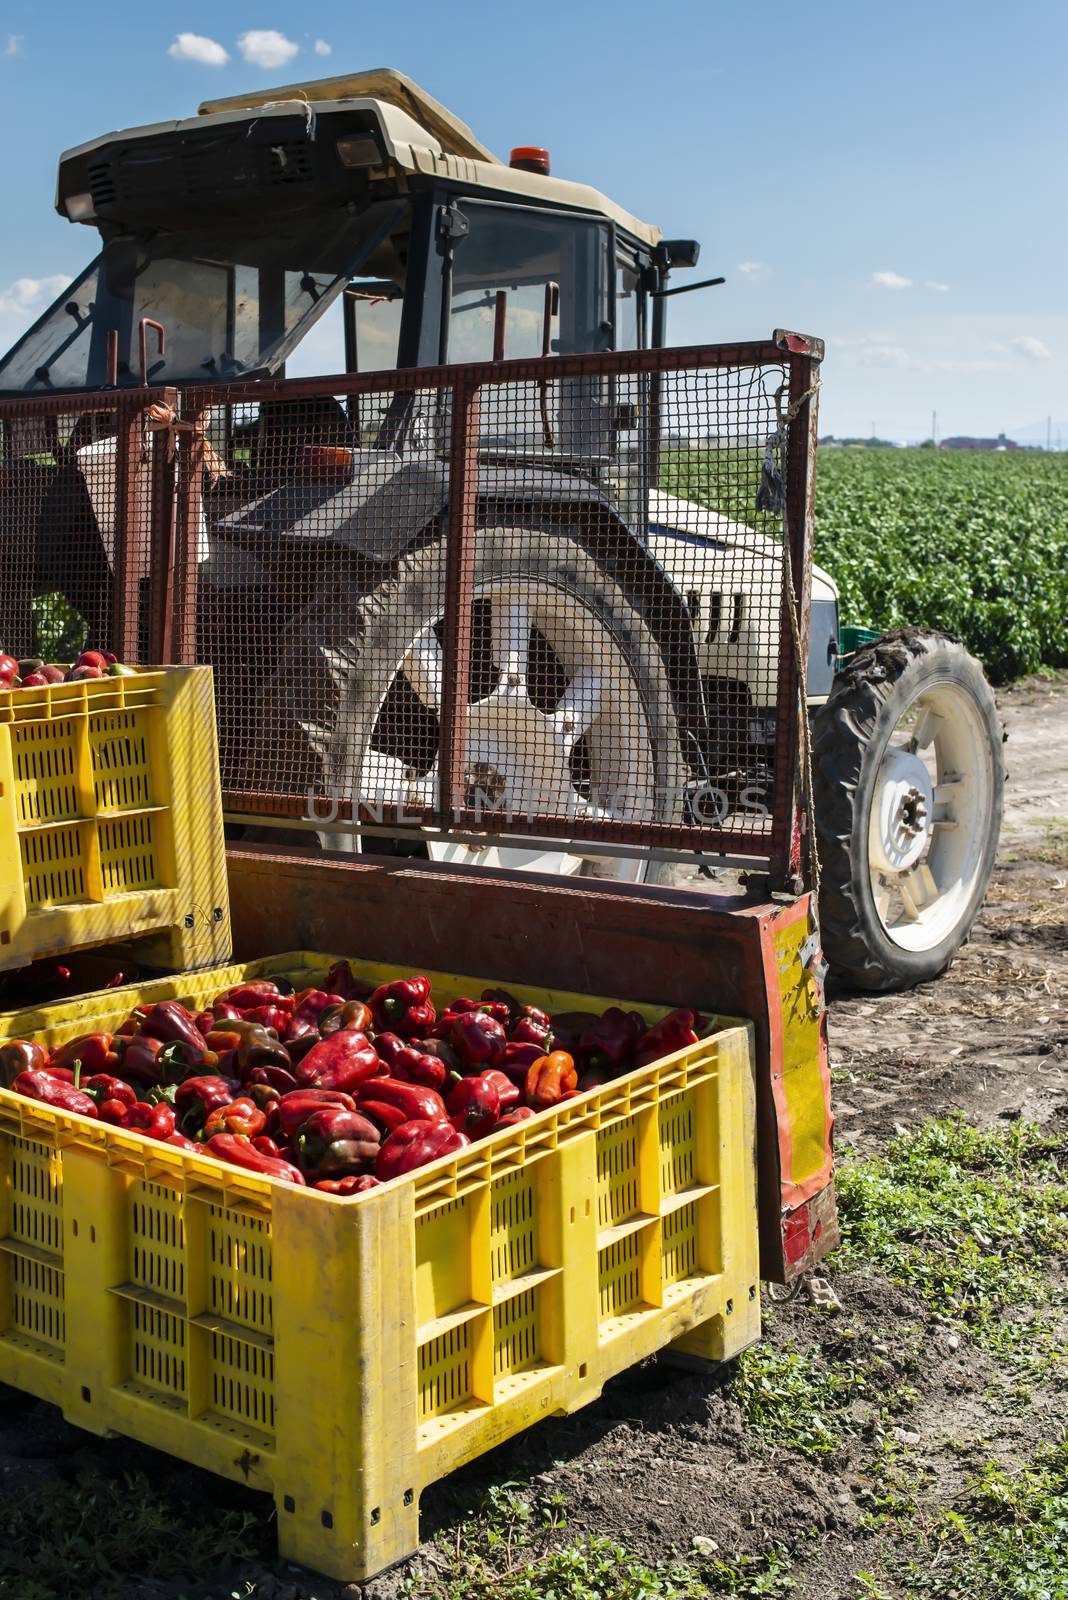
x: 891, y: 177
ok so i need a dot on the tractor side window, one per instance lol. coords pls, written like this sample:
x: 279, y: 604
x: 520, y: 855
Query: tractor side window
x: 628, y: 300
x: 501, y: 272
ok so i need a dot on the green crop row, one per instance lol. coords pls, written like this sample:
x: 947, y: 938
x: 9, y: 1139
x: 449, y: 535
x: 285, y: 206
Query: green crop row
x: 973, y: 543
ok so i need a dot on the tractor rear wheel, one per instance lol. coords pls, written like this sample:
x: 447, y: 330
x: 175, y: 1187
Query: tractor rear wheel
x: 909, y: 776
x: 569, y: 712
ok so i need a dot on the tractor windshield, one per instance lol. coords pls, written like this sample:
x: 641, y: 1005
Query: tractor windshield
x: 232, y: 304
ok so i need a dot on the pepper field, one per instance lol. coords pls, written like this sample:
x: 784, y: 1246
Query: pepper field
x: 974, y: 543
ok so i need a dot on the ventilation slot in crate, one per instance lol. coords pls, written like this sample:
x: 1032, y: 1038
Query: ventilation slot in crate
x: 513, y: 1237
x: 157, y: 1241
x: 240, y: 1281
x: 242, y: 1382
x: 122, y: 778
x: 43, y: 756
x: 128, y: 854
x: 677, y: 1143
x: 53, y: 866
x: 516, y: 1345
x: 445, y: 1372
x: 617, y: 1173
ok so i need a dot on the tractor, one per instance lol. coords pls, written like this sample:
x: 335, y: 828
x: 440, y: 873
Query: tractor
x: 359, y: 222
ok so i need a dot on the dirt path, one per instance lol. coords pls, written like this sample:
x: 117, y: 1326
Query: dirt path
x: 991, y: 1037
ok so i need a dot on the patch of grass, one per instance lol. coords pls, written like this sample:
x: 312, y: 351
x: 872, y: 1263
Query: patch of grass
x: 510, y: 1549
x: 965, y: 1216
x: 97, y: 1536
x: 1006, y: 1537
x: 1054, y: 846
x: 803, y: 1399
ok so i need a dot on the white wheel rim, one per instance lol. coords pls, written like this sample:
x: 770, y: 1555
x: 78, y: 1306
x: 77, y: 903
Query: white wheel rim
x: 519, y: 755
x: 930, y: 818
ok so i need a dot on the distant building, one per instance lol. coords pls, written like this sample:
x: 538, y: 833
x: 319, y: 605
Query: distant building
x: 963, y: 443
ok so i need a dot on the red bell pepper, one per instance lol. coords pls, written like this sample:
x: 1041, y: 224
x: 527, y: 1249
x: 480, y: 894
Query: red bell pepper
x: 273, y: 1018
x: 335, y: 1143
x: 409, y: 1063
x: 170, y: 1021
x: 180, y: 1142
x: 197, y: 1098
x: 342, y: 980
x: 673, y: 1032
x: 295, y: 1109
x: 132, y: 1025
x: 508, y: 1093
x: 53, y: 1092
x: 21, y: 1055
x: 609, y: 1043
x: 267, y: 1146
x: 345, y: 1016
x: 277, y: 1077
x: 305, y: 1018
x: 347, y: 1186
x: 512, y: 1118
x: 343, y: 1061
x: 103, y: 1087
x: 246, y: 1045
x: 531, y: 1030
x: 549, y: 1078
x: 463, y: 1006
x: 518, y: 1060
x: 221, y: 1011
x: 257, y: 992
x: 474, y: 1105
x: 569, y: 1026
x: 242, y: 1153
x: 139, y: 1059
x: 93, y: 1052
x: 403, y: 1007
x: 384, y: 1099
x: 156, y: 1122
x: 478, y: 1039
x: 416, y: 1143
x: 205, y: 1021
x: 241, y: 1116
x: 112, y: 1111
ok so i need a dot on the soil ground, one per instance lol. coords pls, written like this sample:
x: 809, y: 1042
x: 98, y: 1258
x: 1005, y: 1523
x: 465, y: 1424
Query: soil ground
x: 664, y: 1456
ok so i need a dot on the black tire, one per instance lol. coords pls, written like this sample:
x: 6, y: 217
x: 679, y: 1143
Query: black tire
x: 341, y: 653
x: 850, y: 736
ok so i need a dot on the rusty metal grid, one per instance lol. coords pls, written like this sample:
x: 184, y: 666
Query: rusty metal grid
x: 520, y: 600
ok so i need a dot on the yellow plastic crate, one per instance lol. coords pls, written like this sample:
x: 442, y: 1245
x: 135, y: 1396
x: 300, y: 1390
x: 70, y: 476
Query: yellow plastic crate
x: 342, y: 1354
x: 111, y: 819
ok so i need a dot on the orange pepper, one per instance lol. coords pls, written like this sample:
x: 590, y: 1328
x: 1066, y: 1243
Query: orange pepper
x: 549, y: 1079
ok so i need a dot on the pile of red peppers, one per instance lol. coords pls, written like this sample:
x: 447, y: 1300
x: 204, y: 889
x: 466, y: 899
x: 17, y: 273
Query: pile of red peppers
x: 340, y: 1088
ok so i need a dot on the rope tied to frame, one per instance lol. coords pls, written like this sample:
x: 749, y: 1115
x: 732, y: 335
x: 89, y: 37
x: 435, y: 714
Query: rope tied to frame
x: 771, y: 497
x: 162, y: 418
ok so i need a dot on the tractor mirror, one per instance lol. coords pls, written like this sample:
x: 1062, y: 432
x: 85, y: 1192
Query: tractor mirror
x: 680, y: 252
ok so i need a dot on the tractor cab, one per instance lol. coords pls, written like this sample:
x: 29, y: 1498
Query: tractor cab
x: 228, y: 238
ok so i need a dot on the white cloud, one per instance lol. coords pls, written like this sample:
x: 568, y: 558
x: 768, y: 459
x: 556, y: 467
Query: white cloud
x: 267, y: 48
x: 890, y: 280
x: 752, y: 269
x: 322, y: 48
x: 12, y: 46
x: 1033, y: 349
x: 939, y: 288
x: 31, y: 294
x: 195, y: 47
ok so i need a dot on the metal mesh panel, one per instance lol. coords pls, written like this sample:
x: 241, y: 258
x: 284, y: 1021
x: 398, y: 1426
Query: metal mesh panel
x: 83, y: 507
x: 506, y: 602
